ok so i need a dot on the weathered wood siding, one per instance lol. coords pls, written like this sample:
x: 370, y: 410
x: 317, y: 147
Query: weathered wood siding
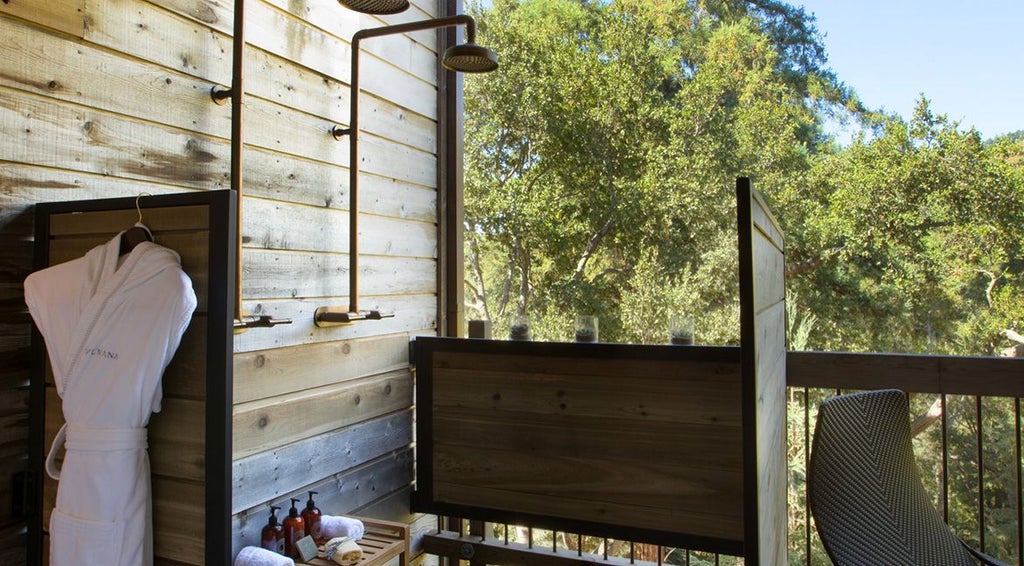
x: 763, y: 340
x: 636, y: 442
x: 104, y: 99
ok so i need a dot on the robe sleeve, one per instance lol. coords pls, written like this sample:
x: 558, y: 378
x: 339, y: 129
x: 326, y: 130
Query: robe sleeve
x: 179, y: 286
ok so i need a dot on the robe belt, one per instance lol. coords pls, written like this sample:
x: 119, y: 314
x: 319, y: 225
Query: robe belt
x: 83, y: 438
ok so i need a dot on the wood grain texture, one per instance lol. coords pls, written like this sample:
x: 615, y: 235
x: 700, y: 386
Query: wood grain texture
x: 290, y: 468
x: 343, y: 492
x: 266, y: 373
x: 763, y: 344
x: 106, y: 99
x: 414, y: 314
x: 67, y: 16
x: 635, y: 437
x: 269, y: 423
x: 992, y: 377
x: 278, y: 225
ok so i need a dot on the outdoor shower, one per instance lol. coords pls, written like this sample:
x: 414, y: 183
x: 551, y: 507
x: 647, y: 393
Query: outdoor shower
x: 467, y: 58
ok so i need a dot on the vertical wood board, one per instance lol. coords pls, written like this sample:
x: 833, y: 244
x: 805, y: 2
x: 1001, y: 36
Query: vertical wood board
x: 763, y: 347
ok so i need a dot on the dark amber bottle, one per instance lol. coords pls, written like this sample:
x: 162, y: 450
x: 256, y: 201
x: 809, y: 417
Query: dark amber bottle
x: 272, y: 537
x: 294, y: 529
x: 311, y: 517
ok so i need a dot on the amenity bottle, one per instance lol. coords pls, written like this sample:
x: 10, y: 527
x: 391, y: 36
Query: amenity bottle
x: 294, y: 529
x: 272, y: 537
x: 311, y: 517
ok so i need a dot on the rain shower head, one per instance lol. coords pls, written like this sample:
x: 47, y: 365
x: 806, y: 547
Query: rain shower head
x: 470, y: 58
x: 466, y: 58
x: 376, y: 6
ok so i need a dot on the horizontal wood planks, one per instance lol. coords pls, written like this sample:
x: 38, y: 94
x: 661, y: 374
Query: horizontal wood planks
x: 632, y: 437
x: 111, y: 99
x: 989, y: 377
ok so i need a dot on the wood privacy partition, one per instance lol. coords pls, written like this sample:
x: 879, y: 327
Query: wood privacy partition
x: 190, y: 439
x: 672, y: 445
x: 762, y: 264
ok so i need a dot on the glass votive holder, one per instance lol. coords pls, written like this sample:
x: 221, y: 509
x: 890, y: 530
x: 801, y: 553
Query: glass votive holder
x: 586, y: 328
x: 680, y: 330
x: 519, y: 328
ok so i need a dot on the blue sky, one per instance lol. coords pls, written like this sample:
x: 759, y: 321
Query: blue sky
x: 967, y: 57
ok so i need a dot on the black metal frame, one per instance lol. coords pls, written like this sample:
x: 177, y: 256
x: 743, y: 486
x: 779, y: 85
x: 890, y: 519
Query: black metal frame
x: 748, y: 356
x: 219, y: 366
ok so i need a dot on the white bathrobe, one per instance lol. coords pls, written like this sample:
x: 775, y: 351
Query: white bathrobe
x: 110, y: 331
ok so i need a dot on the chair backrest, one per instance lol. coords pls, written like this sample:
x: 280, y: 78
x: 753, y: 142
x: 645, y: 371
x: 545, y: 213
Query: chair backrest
x: 865, y: 491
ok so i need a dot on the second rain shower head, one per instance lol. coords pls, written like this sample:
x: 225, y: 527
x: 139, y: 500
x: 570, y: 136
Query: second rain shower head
x: 376, y: 6
x: 470, y: 58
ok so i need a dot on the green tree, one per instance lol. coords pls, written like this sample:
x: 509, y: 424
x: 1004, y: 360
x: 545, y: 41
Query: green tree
x: 910, y: 241
x: 614, y: 132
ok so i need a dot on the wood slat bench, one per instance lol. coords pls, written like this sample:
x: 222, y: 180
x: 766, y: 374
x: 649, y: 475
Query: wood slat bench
x: 382, y: 541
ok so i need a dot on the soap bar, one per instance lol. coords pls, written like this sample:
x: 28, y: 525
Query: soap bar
x: 306, y: 548
x: 343, y: 550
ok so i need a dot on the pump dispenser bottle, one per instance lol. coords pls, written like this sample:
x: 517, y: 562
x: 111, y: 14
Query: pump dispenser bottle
x: 294, y: 529
x: 272, y: 537
x: 311, y: 517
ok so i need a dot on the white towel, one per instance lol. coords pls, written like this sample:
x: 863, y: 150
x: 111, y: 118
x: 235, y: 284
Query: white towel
x: 256, y: 556
x: 344, y: 551
x: 333, y: 526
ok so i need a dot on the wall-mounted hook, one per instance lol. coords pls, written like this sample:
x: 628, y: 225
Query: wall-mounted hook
x: 338, y: 132
x: 221, y: 95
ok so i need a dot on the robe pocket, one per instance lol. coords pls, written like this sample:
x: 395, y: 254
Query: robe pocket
x: 84, y: 542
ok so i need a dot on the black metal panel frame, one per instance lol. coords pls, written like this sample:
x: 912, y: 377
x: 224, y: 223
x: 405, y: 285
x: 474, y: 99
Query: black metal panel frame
x: 748, y: 355
x: 219, y: 364
x: 423, y: 499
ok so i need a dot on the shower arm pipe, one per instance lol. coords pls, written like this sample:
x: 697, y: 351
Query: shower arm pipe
x: 330, y: 316
x: 236, y: 94
x: 237, y: 98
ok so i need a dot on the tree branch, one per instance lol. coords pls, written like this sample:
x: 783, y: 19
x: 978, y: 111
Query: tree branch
x: 479, y: 290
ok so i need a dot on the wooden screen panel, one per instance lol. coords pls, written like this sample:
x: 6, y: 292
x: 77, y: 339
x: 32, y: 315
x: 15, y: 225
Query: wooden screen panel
x: 627, y: 441
x: 763, y: 340
x: 189, y: 438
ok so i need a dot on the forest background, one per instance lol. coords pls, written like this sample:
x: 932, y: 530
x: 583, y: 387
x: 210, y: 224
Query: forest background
x: 601, y: 161
x: 600, y: 170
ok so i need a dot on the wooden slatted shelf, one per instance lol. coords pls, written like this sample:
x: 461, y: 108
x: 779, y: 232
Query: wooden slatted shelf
x: 382, y: 541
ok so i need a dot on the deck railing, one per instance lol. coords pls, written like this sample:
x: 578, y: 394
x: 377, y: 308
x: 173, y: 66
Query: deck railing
x: 967, y: 442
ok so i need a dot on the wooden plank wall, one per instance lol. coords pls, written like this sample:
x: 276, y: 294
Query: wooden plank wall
x: 626, y: 441
x: 109, y: 99
x: 763, y: 341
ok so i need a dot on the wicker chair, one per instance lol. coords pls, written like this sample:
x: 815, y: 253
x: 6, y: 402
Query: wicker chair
x: 865, y: 493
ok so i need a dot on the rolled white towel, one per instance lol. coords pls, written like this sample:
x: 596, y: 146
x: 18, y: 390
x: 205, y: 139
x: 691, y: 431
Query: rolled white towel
x: 333, y: 526
x: 343, y: 550
x: 256, y: 556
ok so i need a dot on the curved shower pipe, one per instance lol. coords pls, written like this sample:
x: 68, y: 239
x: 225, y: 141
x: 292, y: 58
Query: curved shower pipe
x: 467, y: 58
x: 236, y: 94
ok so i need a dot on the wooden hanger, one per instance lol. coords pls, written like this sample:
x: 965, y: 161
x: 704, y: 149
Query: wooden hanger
x: 136, y: 234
